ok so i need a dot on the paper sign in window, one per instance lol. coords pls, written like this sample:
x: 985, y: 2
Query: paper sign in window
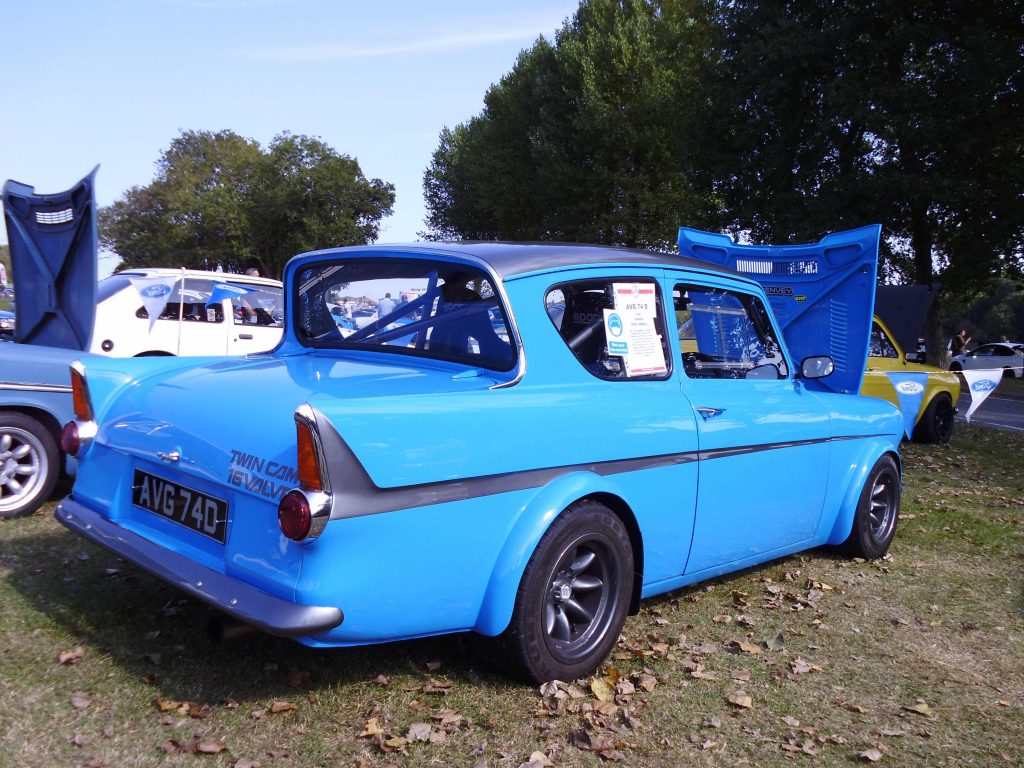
x: 631, y: 331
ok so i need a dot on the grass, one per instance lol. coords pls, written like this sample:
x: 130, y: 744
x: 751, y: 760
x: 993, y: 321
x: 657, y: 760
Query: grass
x: 913, y: 660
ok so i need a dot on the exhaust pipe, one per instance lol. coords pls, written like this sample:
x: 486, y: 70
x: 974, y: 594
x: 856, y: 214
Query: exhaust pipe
x: 224, y: 630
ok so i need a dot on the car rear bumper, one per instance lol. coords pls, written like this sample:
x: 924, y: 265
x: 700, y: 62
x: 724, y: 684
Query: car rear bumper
x: 230, y: 595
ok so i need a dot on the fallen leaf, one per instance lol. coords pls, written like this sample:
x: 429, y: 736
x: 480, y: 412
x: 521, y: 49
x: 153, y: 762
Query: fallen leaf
x: 79, y: 740
x: 282, y: 706
x: 211, y: 746
x: 872, y: 755
x: 80, y: 700
x: 199, y: 711
x: 741, y: 700
x: 920, y: 708
x: 433, y: 666
x: 372, y: 728
x: 539, y: 759
x: 418, y: 732
x: 745, y: 646
x: 776, y: 643
x: 380, y: 680
x: 792, y: 722
x: 602, y: 689
x: 722, y: 618
x: 73, y: 656
x: 713, y: 722
x: 646, y: 681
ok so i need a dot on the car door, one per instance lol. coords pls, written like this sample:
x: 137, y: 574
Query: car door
x: 256, y: 314
x: 763, y: 439
x: 202, y: 328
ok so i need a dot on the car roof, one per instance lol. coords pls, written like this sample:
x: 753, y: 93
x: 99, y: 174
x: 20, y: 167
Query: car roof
x: 197, y: 273
x: 511, y: 259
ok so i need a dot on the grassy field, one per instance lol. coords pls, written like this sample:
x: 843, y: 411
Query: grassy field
x: 917, y: 660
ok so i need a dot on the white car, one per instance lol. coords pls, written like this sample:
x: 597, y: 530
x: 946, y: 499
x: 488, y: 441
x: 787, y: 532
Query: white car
x: 206, y: 313
x: 1008, y: 355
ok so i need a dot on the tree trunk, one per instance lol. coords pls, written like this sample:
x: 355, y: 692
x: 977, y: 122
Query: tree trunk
x: 921, y: 242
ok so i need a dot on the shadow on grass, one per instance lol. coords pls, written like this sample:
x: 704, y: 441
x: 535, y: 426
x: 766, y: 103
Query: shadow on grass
x: 156, y: 633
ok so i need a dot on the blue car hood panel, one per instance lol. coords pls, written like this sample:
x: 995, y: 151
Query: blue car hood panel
x: 822, y: 294
x: 53, y: 246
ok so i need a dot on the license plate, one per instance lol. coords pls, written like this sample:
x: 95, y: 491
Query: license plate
x: 195, y: 510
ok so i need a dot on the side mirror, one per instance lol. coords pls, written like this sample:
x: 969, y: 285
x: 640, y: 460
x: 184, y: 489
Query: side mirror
x: 817, y: 367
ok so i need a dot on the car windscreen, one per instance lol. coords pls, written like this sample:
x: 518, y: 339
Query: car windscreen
x: 423, y: 307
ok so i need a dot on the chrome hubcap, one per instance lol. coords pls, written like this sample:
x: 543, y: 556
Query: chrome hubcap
x: 22, y: 468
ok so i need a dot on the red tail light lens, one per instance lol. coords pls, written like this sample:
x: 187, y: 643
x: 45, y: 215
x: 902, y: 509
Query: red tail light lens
x: 70, y: 441
x: 308, y: 469
x: 294, y: 515
x: 80, y: 396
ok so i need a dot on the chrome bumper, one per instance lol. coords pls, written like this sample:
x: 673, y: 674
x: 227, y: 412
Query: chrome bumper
x: 230, y: 595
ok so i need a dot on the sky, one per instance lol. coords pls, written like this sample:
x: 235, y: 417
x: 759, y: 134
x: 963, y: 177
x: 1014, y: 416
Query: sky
x: 112, y: 82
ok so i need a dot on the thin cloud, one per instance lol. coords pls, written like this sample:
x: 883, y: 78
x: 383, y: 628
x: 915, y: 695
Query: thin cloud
x: 475, y: 38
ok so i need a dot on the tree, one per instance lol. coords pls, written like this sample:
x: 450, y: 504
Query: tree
x: 220, y: 199
x: 589, y: 139
x: 905, y: 114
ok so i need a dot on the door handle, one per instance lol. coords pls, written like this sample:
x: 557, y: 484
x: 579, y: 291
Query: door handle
x: 245, y: 335
x: 709, y: 413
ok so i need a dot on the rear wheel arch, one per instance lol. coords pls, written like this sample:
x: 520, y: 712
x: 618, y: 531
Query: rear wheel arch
x: 538, y: 515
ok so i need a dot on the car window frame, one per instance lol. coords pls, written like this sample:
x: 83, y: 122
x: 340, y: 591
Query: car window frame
x: 666, y: 342
x: 674, y: 279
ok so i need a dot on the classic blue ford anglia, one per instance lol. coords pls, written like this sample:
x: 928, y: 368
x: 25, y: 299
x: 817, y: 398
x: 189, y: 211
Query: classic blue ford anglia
x: 520, y: 441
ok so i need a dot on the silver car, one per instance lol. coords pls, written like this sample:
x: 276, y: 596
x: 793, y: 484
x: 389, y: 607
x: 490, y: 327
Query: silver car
x: 1008, y: 355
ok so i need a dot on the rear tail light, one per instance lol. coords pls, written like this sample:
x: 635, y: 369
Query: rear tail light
x: 304, y: 511
x: 70, y: 441
x: 294, y: 515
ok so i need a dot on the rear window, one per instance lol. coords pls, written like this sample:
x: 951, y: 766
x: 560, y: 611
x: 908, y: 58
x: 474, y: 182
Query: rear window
x: 420, y: 307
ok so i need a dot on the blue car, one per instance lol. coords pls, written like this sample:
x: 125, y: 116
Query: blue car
x: 53, y: 258
x: 537, y: 439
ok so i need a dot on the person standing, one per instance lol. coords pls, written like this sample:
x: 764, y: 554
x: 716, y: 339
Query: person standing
x: 959, y: 343
x: 385, y: 306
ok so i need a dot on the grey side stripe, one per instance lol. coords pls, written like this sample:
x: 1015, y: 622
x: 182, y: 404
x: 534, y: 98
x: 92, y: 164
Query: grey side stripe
x: 21, y: 387
x: 356, y: 494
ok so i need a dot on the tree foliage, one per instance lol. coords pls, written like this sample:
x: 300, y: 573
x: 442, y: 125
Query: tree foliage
x: 903, y: 113
x: 221, y: 199
x: 589, y: 139
x: 781, y: 120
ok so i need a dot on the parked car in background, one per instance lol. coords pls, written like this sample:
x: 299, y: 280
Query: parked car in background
x: 801, y: 285
x: 362, y: 500
x: 1006, y: 355
x: 935, y: 418
x: 53, y: 252
x: 206, y: 313
x: 6, y: 324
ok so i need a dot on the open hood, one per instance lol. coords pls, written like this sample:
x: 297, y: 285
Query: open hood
x: 822, y: 294
x: 53, y: 243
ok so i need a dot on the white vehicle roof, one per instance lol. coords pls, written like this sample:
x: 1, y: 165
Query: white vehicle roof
x: 198, y: 273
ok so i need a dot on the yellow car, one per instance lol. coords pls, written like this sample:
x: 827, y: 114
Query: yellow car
x: 934, y: 422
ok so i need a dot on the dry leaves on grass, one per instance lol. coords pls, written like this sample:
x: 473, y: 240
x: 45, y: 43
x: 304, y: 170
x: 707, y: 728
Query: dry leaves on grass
x: 73, y: 656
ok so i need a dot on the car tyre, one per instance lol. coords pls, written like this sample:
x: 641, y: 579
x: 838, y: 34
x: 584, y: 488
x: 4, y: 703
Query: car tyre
x: 956, y: 367
x: 936, y: 423
x: 573, y: 597
x: 29, y: 464
x: 878, y: 511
